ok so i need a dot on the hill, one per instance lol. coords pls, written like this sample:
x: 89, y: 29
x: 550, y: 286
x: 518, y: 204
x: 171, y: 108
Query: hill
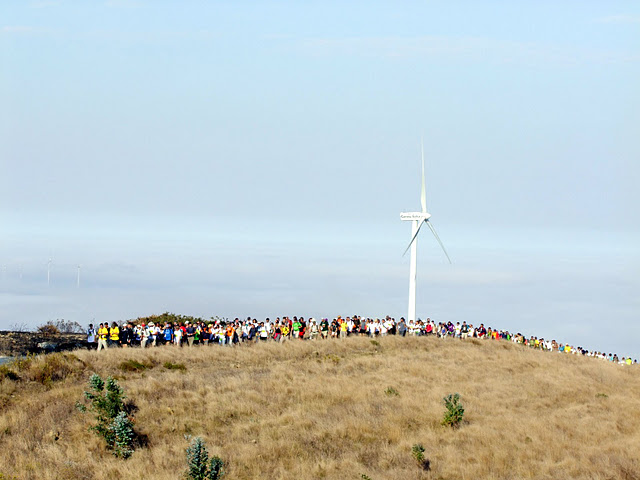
x: 336, y: 409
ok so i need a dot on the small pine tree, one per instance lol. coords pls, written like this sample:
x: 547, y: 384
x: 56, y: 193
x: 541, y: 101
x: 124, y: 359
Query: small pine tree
x: 216, y: 468
x: 455, y: 411
x: 199, y: 467
x: 113, y: 424
x: 122, y: 428
x: 197, y: 460
x: 418, y: 452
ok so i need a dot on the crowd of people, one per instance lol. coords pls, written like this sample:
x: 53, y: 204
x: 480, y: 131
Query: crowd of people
x: 147, y: 334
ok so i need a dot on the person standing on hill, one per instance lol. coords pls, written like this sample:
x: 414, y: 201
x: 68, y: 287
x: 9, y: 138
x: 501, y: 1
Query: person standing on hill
x: 303, y: 328
x: 91, y: 337
x: 285, y: 332
x: 126, y: 335
x: 263, y: 332
x: 145, y: 333
x: 324, y: 328
x: 229, y: 333
x: 177, y: 335
x: 253, y: 332
x: 482, y: 332
x: 289, y: 323
x: 277, y: 332
x: 114, y: 335
x: 153, y: 334
x: 191, y: 333
x: 313, y: 329
x: 197, y: 336
x: 402, y: 328
x: 296, y: 327
x: 363, y: 327
x: 464, y: 330
x: 205, y: 334
x: 168, y: 333
x: 103, y: 333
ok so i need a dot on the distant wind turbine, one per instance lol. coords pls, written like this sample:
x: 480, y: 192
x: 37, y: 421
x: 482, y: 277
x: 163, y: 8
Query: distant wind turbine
x: 49, y: 272
x: 418, y: 219
x: 78, y: 283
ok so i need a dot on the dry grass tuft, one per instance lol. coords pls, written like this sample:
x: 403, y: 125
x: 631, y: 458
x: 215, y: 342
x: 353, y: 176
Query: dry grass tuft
x: 332, y: 410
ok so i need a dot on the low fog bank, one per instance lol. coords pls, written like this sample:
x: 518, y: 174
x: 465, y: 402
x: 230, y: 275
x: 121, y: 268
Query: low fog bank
x: 581, y: 298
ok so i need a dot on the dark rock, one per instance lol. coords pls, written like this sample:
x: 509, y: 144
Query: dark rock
x: 48, y: 346
x: 21, y: 343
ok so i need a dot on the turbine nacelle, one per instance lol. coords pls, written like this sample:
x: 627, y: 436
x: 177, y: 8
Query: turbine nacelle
x: 414, y: 216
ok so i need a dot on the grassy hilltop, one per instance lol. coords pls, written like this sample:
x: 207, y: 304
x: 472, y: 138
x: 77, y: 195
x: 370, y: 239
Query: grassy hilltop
x: 331, y: 409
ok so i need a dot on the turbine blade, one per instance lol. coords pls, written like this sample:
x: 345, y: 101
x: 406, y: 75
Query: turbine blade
x: 433, y: 230
x: 414, y: 237
x: 423, y: 191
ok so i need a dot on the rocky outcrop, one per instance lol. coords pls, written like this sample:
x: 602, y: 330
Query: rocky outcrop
x: 21, y: 343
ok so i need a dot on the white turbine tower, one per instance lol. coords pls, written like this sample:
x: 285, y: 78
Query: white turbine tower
x: 78, y: 283
x: 418, y: 219
x: 49, y: 272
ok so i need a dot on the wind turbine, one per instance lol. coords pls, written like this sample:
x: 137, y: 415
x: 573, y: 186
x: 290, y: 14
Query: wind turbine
x: 418, y: 219
x: 78, y: 283
x: 49, y: 272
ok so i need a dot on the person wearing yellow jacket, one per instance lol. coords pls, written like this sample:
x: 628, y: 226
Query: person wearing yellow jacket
x: 103, y: 333
x: 114, y: 334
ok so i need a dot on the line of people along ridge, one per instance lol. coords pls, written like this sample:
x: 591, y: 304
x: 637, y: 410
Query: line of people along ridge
x: 153, y: 332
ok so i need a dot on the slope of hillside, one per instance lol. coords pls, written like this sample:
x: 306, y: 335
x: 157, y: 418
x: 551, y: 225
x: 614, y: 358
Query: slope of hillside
x: 331, y: 409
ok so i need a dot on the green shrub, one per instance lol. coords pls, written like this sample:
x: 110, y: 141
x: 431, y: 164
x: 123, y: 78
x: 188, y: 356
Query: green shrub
x: 134, y: 366
x: 175, y: 366
x: 199, y: 467
x: 330, y: 357
x: 113, y: 423
x: 391, y: 392
x: 166, y: 317
x: 122, y: 428
x: 216, y: 468
x: 455, y: 411
x: 418, y: 454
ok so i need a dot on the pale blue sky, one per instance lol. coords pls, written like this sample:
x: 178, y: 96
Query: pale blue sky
x: 252, y: 158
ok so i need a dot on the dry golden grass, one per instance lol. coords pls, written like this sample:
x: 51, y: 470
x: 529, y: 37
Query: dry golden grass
x: 319, y: 410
